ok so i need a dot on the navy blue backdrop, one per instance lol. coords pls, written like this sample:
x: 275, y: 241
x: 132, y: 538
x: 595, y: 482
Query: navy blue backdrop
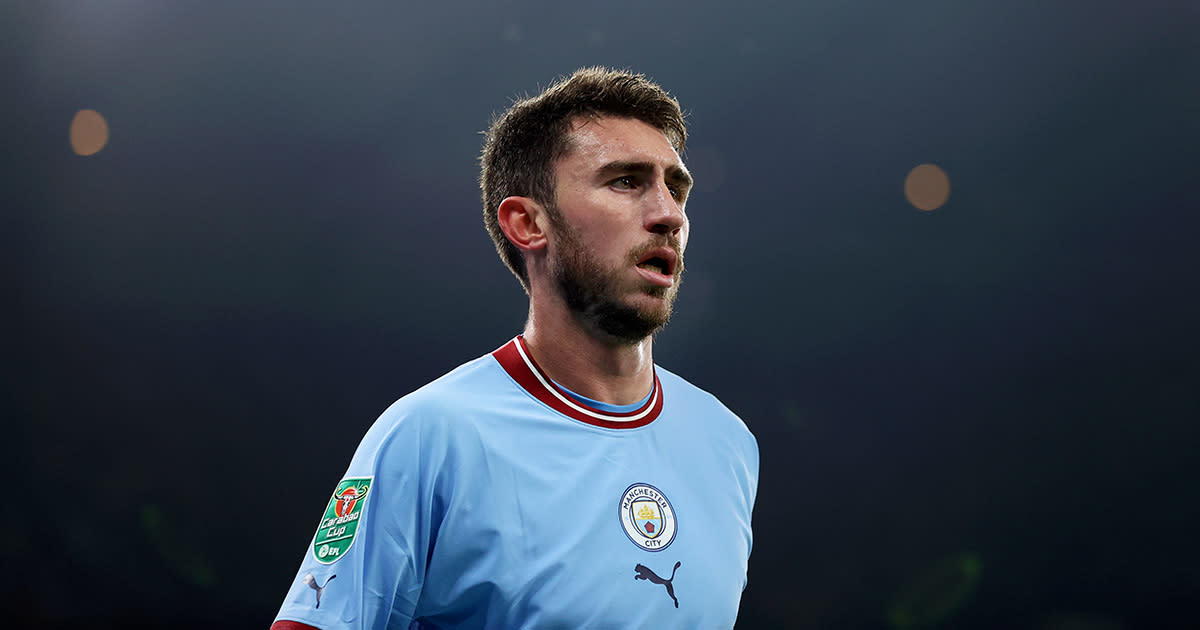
x: 979, y: 416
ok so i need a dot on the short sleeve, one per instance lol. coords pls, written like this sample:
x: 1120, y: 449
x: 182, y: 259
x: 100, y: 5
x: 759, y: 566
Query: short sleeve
x: 367, y: 560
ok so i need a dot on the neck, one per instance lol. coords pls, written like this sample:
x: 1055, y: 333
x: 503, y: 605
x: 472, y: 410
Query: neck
x: 583, y: 361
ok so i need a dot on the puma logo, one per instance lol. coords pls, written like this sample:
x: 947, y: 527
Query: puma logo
x: 644, y: 573
x: 312, y: 583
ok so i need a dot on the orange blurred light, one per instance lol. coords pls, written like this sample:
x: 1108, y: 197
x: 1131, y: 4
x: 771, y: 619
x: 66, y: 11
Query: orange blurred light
x: 89, y: 132
x: 927, y: 187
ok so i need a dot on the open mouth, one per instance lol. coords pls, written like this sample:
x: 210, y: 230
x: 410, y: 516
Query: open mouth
x: 663, y: 261
x: 656, y: 264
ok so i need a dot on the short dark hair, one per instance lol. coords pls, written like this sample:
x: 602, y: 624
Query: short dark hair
x: 523, y: 143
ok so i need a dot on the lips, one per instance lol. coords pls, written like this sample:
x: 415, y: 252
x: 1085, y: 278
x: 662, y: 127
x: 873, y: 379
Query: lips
x: 660, y: 259
x: 659, y: 265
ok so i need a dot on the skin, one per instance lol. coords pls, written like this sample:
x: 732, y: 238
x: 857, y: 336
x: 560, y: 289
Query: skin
x: 620, y: 191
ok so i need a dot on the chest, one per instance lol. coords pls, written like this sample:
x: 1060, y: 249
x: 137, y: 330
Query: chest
x: 575, y: 530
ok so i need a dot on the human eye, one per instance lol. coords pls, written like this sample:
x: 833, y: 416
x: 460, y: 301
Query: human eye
x: 625, y: 182
x: 679, y: 191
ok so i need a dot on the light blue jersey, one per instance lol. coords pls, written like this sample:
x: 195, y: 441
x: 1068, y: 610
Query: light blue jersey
x: 493, y: 498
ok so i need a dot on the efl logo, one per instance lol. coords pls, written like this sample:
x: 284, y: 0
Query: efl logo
x: 339, y: 525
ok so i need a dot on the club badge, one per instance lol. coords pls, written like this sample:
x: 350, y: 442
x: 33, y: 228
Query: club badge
x: 647, y: 517
x: 340, y: 523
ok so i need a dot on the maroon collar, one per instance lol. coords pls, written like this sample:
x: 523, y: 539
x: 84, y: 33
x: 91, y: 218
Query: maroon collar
x: 515, y: 358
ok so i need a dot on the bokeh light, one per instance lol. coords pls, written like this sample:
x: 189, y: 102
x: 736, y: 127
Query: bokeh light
x: 89, y: 132
x: 927, y: 187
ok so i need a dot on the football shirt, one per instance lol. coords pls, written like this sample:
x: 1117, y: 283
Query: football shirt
x: 494, y: 498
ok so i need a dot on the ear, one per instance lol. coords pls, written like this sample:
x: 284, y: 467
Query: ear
x: 520, y: 220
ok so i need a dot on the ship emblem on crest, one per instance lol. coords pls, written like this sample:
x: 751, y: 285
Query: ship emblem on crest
x: 647, y: 517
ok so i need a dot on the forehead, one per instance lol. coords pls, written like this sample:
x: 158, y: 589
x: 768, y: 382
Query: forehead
x: 598, y: 141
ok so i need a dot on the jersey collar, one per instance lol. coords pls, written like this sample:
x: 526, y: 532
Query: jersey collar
x: 515, y: 358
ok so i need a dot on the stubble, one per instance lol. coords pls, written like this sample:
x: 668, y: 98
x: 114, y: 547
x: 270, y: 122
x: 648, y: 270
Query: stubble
x: 593, y: 292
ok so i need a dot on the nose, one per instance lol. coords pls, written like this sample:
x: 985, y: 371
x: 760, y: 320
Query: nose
x: 665, y: 214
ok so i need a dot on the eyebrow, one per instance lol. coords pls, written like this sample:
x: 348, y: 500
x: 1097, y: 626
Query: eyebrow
x: 674, y: 174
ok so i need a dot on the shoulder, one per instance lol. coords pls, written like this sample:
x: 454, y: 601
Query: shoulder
x: 466, y: 386
x: 712, y: 430
x: 461, y: 387
x: 426, y: 417
x: 700, y: 404
x: 683, y: 392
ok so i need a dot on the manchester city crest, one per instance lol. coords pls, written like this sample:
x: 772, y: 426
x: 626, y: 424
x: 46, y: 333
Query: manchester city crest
x: 647, y: 517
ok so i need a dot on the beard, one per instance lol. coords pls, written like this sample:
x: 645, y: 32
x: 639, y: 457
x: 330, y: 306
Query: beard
x: 593, y: 292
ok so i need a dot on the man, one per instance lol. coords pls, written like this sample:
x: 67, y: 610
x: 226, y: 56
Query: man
x: 562, y: 481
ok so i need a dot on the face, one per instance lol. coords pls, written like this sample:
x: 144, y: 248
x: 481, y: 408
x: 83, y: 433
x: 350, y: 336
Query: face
x: 619, y: 230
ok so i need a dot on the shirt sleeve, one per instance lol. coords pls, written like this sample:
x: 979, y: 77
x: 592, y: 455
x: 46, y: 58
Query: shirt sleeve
x: 366, y: 563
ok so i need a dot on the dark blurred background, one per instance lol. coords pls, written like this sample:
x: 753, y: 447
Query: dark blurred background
x: 982, y: 415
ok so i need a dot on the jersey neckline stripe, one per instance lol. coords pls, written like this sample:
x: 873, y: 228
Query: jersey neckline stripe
x: 515, y: 358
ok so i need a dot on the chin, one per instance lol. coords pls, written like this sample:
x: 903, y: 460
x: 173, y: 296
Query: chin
x: 628, y: 324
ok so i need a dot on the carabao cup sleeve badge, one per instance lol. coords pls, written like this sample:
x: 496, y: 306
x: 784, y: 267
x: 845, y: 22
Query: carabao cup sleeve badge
x: 339, y: 525
x: 647, y: 517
